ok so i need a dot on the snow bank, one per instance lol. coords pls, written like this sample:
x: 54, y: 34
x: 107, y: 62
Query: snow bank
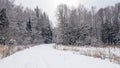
x: 110, y: 53
x: 45, y: 56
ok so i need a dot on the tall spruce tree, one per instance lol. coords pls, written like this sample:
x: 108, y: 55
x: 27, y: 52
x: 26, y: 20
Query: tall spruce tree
x: 29, y: 28
x: 4, y: 26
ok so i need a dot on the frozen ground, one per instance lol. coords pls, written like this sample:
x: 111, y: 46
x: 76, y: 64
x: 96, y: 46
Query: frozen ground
x: 45, y: 56
x: 110, y: 53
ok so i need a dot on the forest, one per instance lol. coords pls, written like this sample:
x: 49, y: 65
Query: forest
x: 19, y: 26
x: 73, y: 36
x: 75, y: 25
x: 80, y: 26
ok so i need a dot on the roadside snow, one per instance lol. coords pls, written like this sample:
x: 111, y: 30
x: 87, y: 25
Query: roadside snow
x: 45, y: 56
x: 110, y: 53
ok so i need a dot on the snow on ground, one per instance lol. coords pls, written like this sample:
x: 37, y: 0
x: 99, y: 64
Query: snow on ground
x: 45, y: 56
x: 110, y: 53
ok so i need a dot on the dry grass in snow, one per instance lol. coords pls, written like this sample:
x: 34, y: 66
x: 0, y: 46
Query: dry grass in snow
x: 110, y: 53
x: 9, y: 50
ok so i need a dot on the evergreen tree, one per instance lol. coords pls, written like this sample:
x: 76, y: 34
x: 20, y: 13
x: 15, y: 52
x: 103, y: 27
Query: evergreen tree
x: 4, y: 26
x: 29, y: 28
x: 46, y: 29
x: 3, y: 19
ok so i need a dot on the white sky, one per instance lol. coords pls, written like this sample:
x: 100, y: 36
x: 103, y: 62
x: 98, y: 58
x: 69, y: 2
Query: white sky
x: 50, y: 6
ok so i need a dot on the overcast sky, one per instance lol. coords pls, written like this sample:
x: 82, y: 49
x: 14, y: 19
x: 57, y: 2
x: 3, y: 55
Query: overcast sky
x: 50, y: 6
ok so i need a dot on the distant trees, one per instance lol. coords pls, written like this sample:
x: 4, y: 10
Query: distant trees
x: 110, y: 25
x: 72, y: 30
x: 43, y: 26
x: 78, y: 26
x: 46, y: 29
x: 24, y: 26
x: 63, y: 19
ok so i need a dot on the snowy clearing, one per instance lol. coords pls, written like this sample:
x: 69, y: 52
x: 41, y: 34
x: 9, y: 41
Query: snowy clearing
x: 45, y: 56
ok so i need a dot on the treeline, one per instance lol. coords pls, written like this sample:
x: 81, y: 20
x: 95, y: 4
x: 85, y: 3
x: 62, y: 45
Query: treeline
x: 80, y: 26
x: 21, y: 26
x: 76, y: 26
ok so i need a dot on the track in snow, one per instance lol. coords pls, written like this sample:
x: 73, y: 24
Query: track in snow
x: 45, y: 56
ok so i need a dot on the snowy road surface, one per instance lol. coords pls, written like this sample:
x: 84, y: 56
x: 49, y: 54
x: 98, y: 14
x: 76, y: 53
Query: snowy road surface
x: 45, y: 56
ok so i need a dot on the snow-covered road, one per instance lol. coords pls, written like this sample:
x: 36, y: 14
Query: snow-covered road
x: 45, y: 56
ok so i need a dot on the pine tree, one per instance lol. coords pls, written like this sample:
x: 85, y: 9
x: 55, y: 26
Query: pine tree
x: 4, y: 25
x: 3, y: 19
x: 29, y: 28
x: 46, y: 29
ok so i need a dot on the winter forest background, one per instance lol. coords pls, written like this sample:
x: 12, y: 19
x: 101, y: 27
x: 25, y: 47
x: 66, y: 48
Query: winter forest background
x: 76, y: 26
